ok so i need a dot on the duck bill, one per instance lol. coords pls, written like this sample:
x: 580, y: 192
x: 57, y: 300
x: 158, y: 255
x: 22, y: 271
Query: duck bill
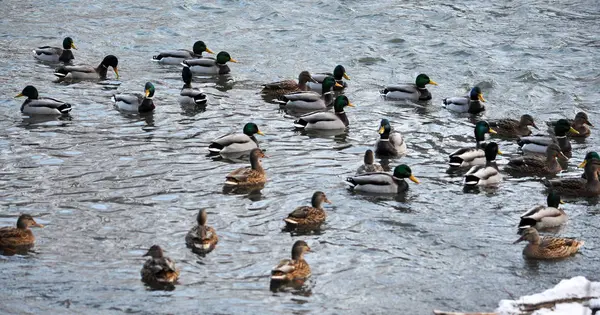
x: 499, y: 152
x: 587, y: 122
x: 351, y: 105
x: 562, y: 156
x: 414, y: 179
x: 19, y: 95
x: 480, y: 97
x: 313, y: 80
x: 260, y: 133
x: 38, y: 225
x: 233, y: 60
x: 206, y: 246
x: 561, y: 202
x: 209, y: 51
x: 492, y: 131
x: 522, y: 238
x: 73, y: 46
x: 432, y: 82
x: 346, y: 76
x: 582, y: 165
x: 327, y: 201
x: 147, y: 93
x: 572, y: 130
x: 338, y: 85
x: 381, y: 130
x: 116, y: 70
x: 535, y: 126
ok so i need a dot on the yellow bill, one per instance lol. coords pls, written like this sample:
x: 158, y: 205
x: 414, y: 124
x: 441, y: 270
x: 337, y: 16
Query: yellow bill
x: 346, y: 76
x: 432, y: 82
x: 233, y: 60
x: 582, y: 165
x: 414, y: 179
x: 480, y: 97
x: 351, y: 105
x: 147, y: 93
x: 209, y: 51
x: 381, y: 130
x: 338, y: 85
x: 116, y: 72
x: 499, y: 152
x: 492, y: 131
x: 73, y: 46
x: 19, y: 95
x: 572, y: 130
x: 260, y: 133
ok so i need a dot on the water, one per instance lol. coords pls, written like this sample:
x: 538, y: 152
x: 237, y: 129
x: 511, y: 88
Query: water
x: 109, y: 185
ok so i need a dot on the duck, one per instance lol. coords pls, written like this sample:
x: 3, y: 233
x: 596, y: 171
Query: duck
x: 326, y: 120
x: 87, y: 72
x: 249, y: 176
x: 202, y: 239
x: 158, y: 269
x: 56, y: 54
x: 210, y: 66
x: 369, y: 166
x: 470, y: 103
x: 383, y: 183
x: 236, y: 142
x: 310, y: 101
x: 389, y: 143
x: 467, y: 157
x: 488, y: 174
x: 339, y: 73
x: 538, y: 144
x: 175, y: 57
x: 11, y: 237
x: 188, y: 94
x: 579, y: 187
x: 275, y: 90
x: 412, y: 92
x: 547, y: 247
x: 34, y: 105
x: 512, y: 128
x: 580, y: 123
x: 136, y: 102
x: 589, y: 156
x: 293, y: 269
x: 536, y: 164
x: 543, y: 217
x: 308, y: 216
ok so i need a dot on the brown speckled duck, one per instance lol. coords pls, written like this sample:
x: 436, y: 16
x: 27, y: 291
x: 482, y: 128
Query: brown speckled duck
x: 536, y: 164
x: 512, y: 128
x: 158, y: 269
x: 249, y: 176
x: 308, y: 216
x: 547, y: 247
x: 202, y: 239
x: 278, y: 89
x: 11, y: 237
x: 579, y: 187
x: 293, y: 269
x: 369, y: 165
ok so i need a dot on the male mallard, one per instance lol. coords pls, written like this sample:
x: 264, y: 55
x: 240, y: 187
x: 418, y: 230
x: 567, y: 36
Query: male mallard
x: 278, y: 89
x: 308, y: 216
x: 580, y: 123
x: 326, y: 120
x: 383, y: 183
x: 389, y: 143
x: 310, y: 101
x: 202, y: 239
x: 158, y: 269
x: 579, y: 187
x: 293, y: 269
x: 472, y: 156
x: 547, y: 247
x: 210, y: 66
x: 56, y: 54
x: 236, y: 142
x: 87, y: 72
x: 589, y: 156
x: 34, y: 105
x: 470, y: 103
x: 536, y: 164
x: 487, y: 174
x: 542, y: 217
x: 339, y: 73
x: 188, y: 94
x: 369, y: 165
x: 249, y: 176
x: 175, y: 57
x: 511, y: 128
x: 11, y: 237
x: 538, y: 144
x: 136, y: 102
x: 412, y: 92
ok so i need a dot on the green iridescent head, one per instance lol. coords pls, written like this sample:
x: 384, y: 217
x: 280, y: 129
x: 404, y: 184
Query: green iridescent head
x: 224, y: 57
x: 149, y: 89
x: 403, y: 171
x: 553, y: 199
x: 250, y: 129
x: 30, y: 91
x: 68, y: 43
x: 562, y: 127
x: 422, y: 80
x: 328, y: 84
x: 481, y: 128
x: 200, y: 47
x: 340, y: 72
x: 340, y: 102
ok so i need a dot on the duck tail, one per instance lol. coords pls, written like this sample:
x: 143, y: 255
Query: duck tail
x: 290, y: 222
x: 384, y: 91
x: 300, y: 124
x: 200, y: 99
x: 445, y: 102
x: 471, y: 180
x: 65, y: 108
x: 184, y: 63
x: 527, y: 222
x: 351, y: 181
x: 455, y: 161
x: 157, y: 57
x: 60, y: 72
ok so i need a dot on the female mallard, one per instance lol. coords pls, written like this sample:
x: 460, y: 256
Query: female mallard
x: 472, y: 156
x: 11, y: 237
x: 86, y: 72
x: 580, y: 123
x: 210, y: 66
x: 412, y: 92
x: 249, y: 176
x: 278, y: 89
x: 389, y: 143
x: 34, y: 105
x: 488, y: 174
x: 158, y: 269
x: 547, y: 247
x: 56, y: 54
x: 538, y: 165
x: 326, y: 120
x: 383, y: 183
x: 512, y: 128
x: 470, y: 103
x: 202, y: 239
x: 293, y: 269
x: 310, y: 101
x: 308, y: 216
x: 541, y: 217
x: 369, y: 165
x: 175, y: 57
x: 579, y: 187
x: 339, y: 73
x: 538, y: 144
x: 136, y: 102
x: 188, y: 94
x: 236, y: 142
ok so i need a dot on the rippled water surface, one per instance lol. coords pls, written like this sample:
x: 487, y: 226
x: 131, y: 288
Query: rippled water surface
x: 109, y: 185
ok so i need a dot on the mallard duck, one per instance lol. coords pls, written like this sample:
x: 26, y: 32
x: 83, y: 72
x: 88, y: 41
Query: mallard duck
x: 470, y: 103
x: 326, y: 120
x: 389, y: 143
x: 511, y: 128
x: 293, y: 269
x: 339, y: 73
x: 580, y: 123
x: 136, y: 102
x: 579, y: 187
x: 11, y: 237
x: 310, y: 101
x: 487, y: 174
x: 547, y: 247
x: 188, y: 94
x: 86, y: 72
x: 308, y: 216
x: 369, y: 165
x: 34, y: 105
x: 236, y: 142
x: 278, y: 89
x: 175, y: 57
x: 383, y: 183
x: 536, y: 164
x: 210, y: 66
x: 201, y: 238
x: 472, y: 156
x: 589, y: 156
x: 56, y: 54
x: 538, y: 144
x: 412, y: 92
x: 158, y: 269
x: 249, y: 176
x: 542, y: 217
